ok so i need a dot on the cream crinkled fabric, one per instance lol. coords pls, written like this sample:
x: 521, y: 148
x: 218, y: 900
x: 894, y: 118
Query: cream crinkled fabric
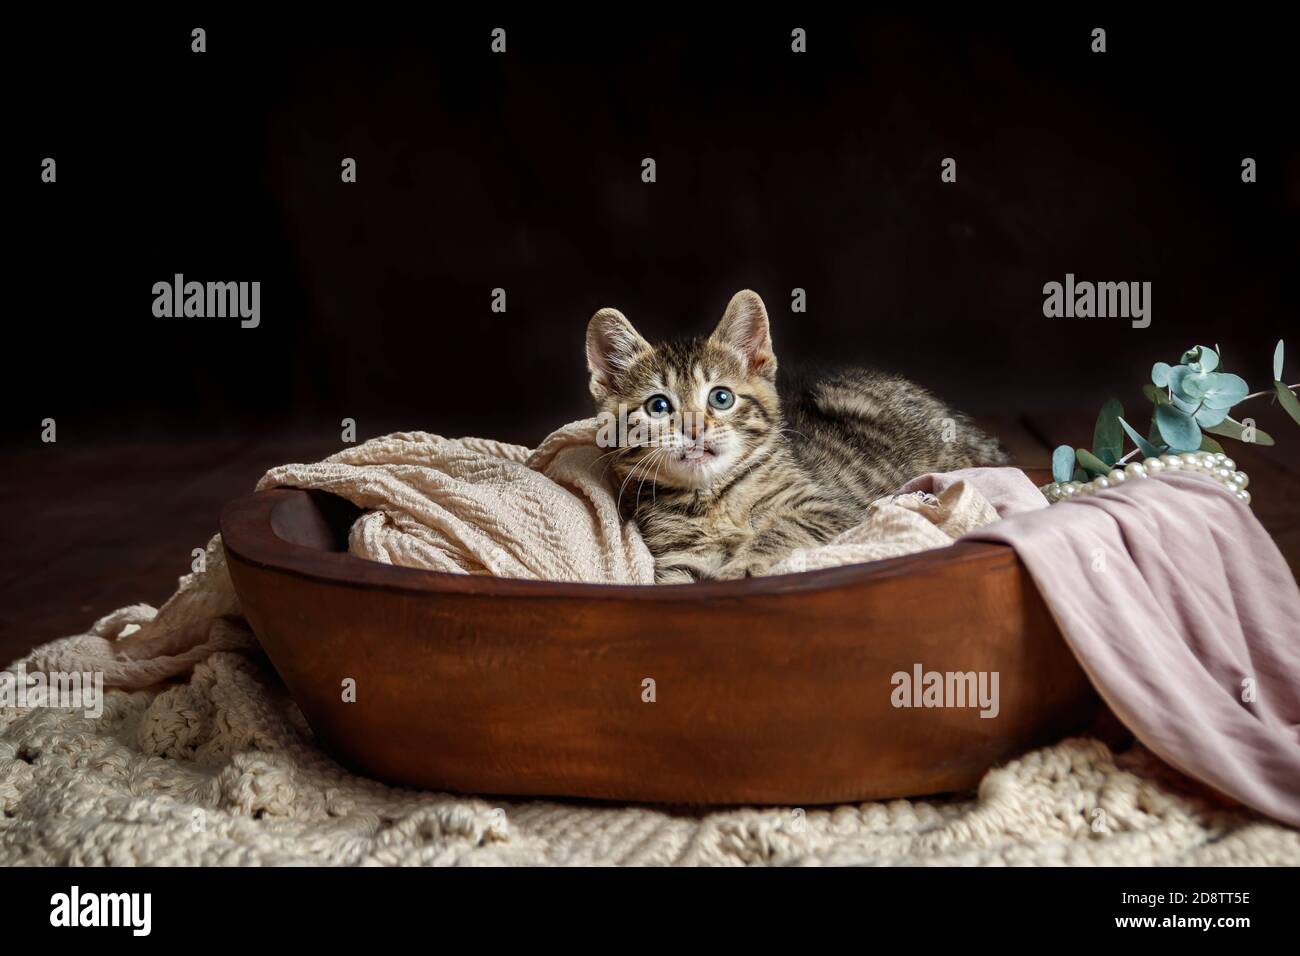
x: 474, y: 506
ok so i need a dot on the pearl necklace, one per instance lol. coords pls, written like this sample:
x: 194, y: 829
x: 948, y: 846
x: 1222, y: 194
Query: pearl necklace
x: 1216, y: 465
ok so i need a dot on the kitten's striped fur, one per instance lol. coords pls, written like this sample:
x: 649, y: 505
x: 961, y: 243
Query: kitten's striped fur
x: 728, y: 492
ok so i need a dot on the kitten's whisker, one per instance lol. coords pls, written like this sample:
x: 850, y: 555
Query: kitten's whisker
x: 618, y: 504
x: 599, y: 458
x: 654, y: 484
x: 609, y: 454
x: 622, y: 448
x: 656, y: 455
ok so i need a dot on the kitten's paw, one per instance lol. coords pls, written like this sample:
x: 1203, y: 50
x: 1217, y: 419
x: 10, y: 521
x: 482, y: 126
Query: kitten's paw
x: 674, y: 576
x: 745, y: 569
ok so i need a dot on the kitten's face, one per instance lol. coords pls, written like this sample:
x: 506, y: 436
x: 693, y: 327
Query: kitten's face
x: 696, y: 411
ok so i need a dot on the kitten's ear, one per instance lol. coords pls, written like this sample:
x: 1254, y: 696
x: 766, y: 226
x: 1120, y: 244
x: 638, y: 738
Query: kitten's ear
x: 744, y: 329
x: 612, y: 346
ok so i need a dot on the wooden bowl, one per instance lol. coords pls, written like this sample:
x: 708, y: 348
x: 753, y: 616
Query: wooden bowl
x: 765, y: 691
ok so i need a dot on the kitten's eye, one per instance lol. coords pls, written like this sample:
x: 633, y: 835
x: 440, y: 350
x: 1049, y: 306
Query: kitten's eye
x: 722, y: 398
x: 657, y: 406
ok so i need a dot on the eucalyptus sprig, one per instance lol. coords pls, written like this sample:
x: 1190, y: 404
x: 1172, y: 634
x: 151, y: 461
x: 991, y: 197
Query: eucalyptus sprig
x: 1192, y: 400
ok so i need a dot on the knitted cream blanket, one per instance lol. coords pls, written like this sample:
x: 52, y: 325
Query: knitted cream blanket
x: 219, y: 768
x: 200, y: 757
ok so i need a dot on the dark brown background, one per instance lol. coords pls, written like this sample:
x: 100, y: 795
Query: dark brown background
x: 522, y: 171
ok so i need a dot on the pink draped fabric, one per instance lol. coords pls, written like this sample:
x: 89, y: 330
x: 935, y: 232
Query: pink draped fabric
x: 1182, y: 612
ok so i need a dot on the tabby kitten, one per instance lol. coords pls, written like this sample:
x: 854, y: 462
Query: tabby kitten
x: 726, y: 472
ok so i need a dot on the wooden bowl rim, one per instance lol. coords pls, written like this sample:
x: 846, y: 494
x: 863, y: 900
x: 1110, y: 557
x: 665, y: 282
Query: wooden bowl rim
x: 248, y: 533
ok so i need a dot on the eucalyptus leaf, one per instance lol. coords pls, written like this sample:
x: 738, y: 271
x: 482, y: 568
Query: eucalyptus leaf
x: 1156, y: 395
x: 1288, y: 400
x: 1107, y: 437
x: 1147, y: 449
x: 1090, y: 463
x: 1062, y: 463
x: 1160, y: 374
x: 1207, y: 416
x: 1229, y: 428
x: 1203, y: 358
x: 1277, y: 362
x: 1178, y: 429
x: 1196, y: 385
x: 1178, y: 376
x: 1209, y: 444
x: 1225, y: 390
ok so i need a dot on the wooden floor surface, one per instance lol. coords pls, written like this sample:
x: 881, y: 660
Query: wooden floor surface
x: 90, y: 528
